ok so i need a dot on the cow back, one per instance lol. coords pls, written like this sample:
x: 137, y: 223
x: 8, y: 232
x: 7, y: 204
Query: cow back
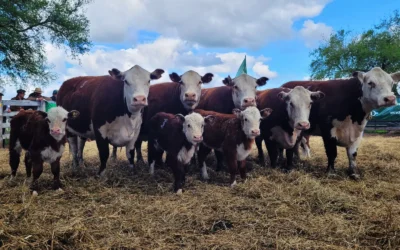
x: 217, y: 99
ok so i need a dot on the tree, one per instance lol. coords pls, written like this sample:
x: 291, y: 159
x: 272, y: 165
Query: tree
x: 343, y: 53
x: 25, y: 28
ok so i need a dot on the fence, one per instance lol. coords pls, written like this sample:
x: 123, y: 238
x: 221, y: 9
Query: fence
x: 384, y: 125
x: 5, y: 123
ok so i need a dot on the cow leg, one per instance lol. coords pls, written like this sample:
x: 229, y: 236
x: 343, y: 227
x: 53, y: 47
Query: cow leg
x: 73, y: 148
x: 104, y: 152
x: 81, y: 146
x: 231, y: 162
x: 28, y: 164
x: 280, y: 157
x: 201, y: 157
x: 353, y: 171
x: 55, y: 169
x: 153, y: 155
x: 272, y: 152
x: 259, y: 140
x: 179, y: 173
x: 113, y: 157
x: 331, y: 153
x: 242, y: 169
x: 37, y: 171
x: 289, y: 158
x: 220, y: 160
x: 138, y: 147
x: 14, y: 162
x: 130, y: 153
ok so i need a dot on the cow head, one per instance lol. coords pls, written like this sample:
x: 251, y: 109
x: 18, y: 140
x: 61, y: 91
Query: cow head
x: 377, y: 88
x: 251, y: 118
x: 57, y: 118
x: 136, y: 85
x: 298, y: 105
x: 193, y: 127
x: 244, y: 89
x: 190, y: 83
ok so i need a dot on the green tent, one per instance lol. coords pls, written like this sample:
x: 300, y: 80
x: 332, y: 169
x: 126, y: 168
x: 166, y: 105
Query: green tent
x: 243, y: 68
x: 387, y: 114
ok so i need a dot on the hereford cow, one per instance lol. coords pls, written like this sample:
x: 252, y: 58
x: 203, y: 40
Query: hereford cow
x: 180, y: 96
x: 233, y: 135
x: 42, y: 136
x: 239, y: 92
x: 340, y: 118
x: 290, y: 117
x: 111, y: 110
x: 178, y: 135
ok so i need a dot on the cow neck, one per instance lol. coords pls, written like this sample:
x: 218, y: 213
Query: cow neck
x: 285, y: 123
x: 188, y: 145
x: 359, y: 108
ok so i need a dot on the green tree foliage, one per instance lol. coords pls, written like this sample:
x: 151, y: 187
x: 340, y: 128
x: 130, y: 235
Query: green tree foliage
x: 27, y: 25
x: 344, y: 52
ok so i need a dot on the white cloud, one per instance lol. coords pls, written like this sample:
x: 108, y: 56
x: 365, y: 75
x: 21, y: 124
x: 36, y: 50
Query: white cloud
x: 263, y: 70
x: 212, y: 23
x: 312, y: 33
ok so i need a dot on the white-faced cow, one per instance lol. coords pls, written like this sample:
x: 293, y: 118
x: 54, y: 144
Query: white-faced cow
x: 178, y: 135
x: 290, y: 117
x: 340, y: 118
x: 111, y: 110
x: 233, y: 135
x: 239, y: 93
x: 180, y: 96
x: 43, y: 137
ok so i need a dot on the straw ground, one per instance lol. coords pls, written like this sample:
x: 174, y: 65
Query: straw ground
x: 304, y: 209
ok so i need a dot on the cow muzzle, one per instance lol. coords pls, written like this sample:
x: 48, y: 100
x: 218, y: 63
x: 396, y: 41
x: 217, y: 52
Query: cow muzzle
x: 190, y: 99
x: 248, y: 102
x: 255, y: 132
x: 197, y: 139
x: 140, y: 100
x: 389, y: 100
x: 55, y: 131
x: 302, y: 125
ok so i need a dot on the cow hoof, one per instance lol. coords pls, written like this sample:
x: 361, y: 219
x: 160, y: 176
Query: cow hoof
x: 205, y: 176
x: 12, y: 178
x: 355, y: 176
x: 179, y: 192
x: 82, y: 165
x: 34, y: 193
x: 131, y: 166
x: 233, y: 184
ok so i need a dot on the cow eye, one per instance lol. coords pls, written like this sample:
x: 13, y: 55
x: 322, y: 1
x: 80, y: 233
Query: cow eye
x: 245, y: 119
x: 47, y: 120
x: 64, y: 120
x: 372, y: 84
x: 200, y: 82
x: 126, y: 82
x: 291, y: 104
x: 188, y: 125
x: 236, y: 87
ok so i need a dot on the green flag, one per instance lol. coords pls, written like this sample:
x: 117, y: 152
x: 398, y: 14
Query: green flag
x: 243, y: 68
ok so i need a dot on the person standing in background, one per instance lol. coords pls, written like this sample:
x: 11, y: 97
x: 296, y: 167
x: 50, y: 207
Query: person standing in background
x: 20, y: 96
x: 37, y: 96
x: 54, y: 96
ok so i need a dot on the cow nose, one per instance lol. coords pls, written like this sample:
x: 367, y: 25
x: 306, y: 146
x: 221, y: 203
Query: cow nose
x: 56, y: 131
x: 197, y: 138
x: 390, y: 99
x: 190, y: 96
x: 255, y: 131
x: 303, y: 125
x: 139, y: 100
x: 249, y: 102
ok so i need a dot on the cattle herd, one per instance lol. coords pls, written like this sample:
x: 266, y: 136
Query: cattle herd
x: 179, y: 117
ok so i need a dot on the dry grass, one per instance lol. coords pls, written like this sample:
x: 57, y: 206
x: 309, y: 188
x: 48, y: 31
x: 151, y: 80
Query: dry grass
x: 301, y: 210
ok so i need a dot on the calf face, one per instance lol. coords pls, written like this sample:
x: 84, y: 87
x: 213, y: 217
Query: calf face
x: 57, y: 118
x: 190, y: 83
x: 193, y: 127
x: 377, y: 87
x: 298, y: 106
x: 251, y: 118
x: 244, y: 89
x: 136, y: 85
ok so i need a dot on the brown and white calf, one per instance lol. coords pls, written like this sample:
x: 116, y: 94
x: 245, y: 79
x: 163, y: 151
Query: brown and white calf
x: 178, y: 135
x: 43, y: 137
x: 340, y: 118
x: 239, y: 93
x: 233, y: 135
x: 290, y: 117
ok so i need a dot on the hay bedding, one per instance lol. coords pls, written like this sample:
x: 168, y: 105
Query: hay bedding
x: 301, y: 210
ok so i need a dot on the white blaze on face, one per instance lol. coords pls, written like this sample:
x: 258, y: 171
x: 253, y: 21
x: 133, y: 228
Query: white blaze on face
x: 251, y: 119
x: 191, y: 83
x: 244, y: 89
x: 377, y: 88
x: 136, y: 85
x: 57, y: 118
x: 298, y: 106
x: 193, y: 127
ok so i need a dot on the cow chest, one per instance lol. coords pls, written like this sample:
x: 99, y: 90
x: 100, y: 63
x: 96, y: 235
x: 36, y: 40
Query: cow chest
x: 122, y: 130
x: 347, y: 132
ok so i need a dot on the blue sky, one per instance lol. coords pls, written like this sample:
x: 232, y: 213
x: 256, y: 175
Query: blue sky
x: 212, y: 36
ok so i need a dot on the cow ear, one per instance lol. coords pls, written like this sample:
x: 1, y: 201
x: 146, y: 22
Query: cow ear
x: 265, y: 112
x: 116, y: 74
x: 180, y: 117
x: 41, y: 113
x: 209, y: 119
x: 283, y: 95
x: 236, y: 112
x: 156, y: 74
x: 207, y: 78
x: 262, y: 81
x: 175, y: 77
x: 73, y: 114
x: 359, y: 75
x: 317, y: 95
x: 396, y: 77
x: 228, y: 81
